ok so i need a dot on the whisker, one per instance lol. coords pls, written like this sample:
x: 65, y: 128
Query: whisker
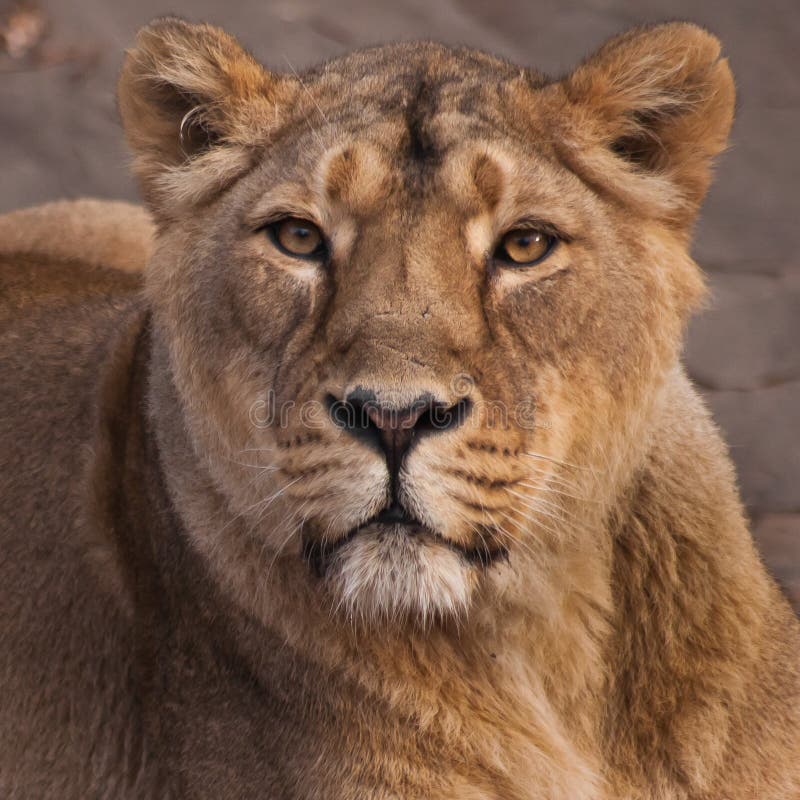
x: 278, y: 553
x: 534, y: 520
x: 518, y: 541
x: 557, y: 507
x: 258, y: 450
x: 267, y: 467
x: 551, y: 490
x: 531, y: 454
x: 475, y: 529
x: 551, y: 477
x: 313, y: 99
x: 266, y: 502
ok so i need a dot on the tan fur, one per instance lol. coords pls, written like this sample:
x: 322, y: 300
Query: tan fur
x: 170, y: 464
x: 97, y: 232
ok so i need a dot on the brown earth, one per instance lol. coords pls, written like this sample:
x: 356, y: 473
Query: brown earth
x: 60, y: 137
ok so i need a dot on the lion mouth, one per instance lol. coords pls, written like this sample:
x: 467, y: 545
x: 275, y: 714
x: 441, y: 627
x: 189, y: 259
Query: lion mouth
x: 394, y: 520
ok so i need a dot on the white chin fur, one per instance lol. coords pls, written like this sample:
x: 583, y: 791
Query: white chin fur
x: 387, y: 576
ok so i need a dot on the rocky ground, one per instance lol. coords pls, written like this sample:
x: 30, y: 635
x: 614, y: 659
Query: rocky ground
x: 59, y: 137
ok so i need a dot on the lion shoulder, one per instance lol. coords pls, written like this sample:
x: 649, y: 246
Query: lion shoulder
x: 102, y: 233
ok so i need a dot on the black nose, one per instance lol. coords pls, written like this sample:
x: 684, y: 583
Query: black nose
x: 393, y: 429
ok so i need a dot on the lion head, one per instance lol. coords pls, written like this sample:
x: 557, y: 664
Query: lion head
x: 417, y: 304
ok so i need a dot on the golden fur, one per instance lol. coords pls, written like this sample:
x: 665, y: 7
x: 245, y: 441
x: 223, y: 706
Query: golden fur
x: 98, y: 232
x: 193, y: 599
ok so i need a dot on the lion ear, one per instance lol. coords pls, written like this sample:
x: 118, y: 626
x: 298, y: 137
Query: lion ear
x: 186, y: 90
x: 660, y: 102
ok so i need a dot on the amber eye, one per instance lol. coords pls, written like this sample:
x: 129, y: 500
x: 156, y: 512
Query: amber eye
x: 524, y: 247
x: 297, y: 237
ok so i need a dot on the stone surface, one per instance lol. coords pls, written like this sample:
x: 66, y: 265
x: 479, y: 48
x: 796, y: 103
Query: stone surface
x: 762, y: 429
x: 60, y: 138
x: 778, y: 536
x: 750, y: 336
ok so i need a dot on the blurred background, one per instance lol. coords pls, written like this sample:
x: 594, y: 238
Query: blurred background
x: 59, y: 137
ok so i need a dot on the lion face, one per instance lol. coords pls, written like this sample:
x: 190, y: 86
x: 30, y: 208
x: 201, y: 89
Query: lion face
x: 417, y: 300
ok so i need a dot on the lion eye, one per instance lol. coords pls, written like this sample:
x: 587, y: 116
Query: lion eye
x: 524, y: 247
x: 297, y: 237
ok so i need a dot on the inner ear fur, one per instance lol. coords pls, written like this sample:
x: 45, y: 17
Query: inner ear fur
x: 659, y: 102
x: 187, y: 89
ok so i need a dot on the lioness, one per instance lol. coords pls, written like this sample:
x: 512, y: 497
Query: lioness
x: 385, y: 481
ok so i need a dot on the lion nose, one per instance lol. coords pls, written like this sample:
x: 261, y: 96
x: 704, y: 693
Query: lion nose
x: 392, y: 428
